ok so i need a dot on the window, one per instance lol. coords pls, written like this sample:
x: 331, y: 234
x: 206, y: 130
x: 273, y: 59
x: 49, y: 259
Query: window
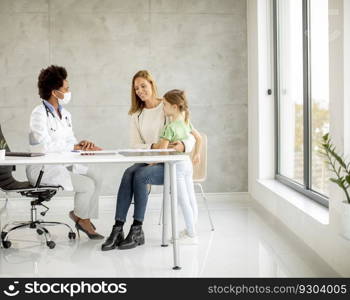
x: 302, y: 94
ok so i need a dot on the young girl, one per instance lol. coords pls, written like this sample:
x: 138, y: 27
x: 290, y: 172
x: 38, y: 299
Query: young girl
x: 176, y: 107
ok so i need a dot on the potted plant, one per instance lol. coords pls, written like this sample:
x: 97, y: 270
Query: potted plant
x: 2, y: 149
x: 341, y: 170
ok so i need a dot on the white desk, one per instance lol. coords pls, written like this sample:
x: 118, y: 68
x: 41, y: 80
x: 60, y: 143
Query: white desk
x: 168, y: 158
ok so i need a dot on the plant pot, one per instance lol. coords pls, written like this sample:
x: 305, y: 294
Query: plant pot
x: 345, y: 220
x: 2, y: 154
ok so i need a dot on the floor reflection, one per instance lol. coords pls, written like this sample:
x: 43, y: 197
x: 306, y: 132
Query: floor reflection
x: 247, y: 242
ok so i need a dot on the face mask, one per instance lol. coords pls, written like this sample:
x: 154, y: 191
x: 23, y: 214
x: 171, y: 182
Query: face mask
x: 66, y: 98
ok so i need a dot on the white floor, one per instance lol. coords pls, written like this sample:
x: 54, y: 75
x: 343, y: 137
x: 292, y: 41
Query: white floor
x: 247, y: 242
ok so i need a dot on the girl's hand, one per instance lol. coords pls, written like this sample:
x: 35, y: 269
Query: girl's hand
x: 196, y: 159
x: 178, y: 146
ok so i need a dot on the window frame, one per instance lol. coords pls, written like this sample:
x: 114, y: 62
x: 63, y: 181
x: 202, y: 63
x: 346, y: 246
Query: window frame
x: 306, y: 187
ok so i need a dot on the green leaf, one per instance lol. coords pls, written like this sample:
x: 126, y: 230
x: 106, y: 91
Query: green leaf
x: 338, y: 182
x: 347, y: 178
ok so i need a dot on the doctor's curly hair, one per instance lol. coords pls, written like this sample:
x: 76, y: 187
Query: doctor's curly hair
x: 50, y: 79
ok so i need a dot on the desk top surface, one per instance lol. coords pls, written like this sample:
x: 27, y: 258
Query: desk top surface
x: 113, y: 156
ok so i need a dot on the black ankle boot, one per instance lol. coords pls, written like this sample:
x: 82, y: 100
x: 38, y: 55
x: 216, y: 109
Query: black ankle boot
x: 135, y: 238
x: 114, y: 239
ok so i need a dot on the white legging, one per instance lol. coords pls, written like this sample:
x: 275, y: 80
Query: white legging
x: 186, y: 197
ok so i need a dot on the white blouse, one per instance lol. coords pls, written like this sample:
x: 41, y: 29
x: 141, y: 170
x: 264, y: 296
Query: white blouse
x: 146, y: 127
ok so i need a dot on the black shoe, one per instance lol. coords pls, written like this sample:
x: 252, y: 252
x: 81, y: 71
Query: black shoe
x: 92, y: 236
x: 114, y: 239
x: 135, y: 238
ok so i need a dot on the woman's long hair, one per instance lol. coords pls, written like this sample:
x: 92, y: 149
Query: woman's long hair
x: 178, y: 97
x: 136, y: 103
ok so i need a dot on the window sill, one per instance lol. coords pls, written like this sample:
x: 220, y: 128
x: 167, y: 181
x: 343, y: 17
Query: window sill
x: 303, y: 203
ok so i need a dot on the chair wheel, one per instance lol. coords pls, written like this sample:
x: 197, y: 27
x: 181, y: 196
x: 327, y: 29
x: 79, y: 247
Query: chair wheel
x: 71, y: 235
x: 3, y: 234
x: 39, y: 231
x: 51, y: 244
x: 6, y: 244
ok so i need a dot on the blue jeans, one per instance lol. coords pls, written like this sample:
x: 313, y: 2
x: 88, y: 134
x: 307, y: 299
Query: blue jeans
x: 134, y: 184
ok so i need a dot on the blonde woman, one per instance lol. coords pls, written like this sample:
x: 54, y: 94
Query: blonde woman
x: 147, y: 121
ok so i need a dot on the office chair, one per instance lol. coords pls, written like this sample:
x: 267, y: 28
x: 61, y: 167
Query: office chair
x: 199, y: 176
x: 39, y: 194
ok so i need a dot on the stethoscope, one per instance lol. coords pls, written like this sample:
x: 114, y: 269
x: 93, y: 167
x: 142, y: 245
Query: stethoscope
x: 48, y: 111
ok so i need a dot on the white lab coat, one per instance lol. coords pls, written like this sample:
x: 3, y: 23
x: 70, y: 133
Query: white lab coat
x: 50, y: 134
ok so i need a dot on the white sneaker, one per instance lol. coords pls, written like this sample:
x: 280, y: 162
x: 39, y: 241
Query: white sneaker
x: 182, y: 233
x: 188, y: 240
x: 185, y: 239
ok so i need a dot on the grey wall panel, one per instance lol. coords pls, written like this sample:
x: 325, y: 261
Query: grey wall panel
x: 197, y: 45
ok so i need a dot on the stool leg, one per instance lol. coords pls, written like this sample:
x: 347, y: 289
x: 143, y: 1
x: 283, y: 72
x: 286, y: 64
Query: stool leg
x: 206, y: 205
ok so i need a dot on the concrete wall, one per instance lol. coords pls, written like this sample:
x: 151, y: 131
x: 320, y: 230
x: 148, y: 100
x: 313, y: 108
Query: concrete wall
x: 197, y: 45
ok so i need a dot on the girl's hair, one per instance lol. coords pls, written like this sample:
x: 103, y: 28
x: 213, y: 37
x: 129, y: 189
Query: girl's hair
x: 136, y: 103
x: 178, y: 98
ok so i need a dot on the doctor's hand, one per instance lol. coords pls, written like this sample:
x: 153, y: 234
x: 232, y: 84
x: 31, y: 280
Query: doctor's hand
x: 86, y: 146
x: 95, y: 148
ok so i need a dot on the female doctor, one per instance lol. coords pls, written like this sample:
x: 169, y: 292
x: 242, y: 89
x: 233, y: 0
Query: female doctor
x: 51, y: 131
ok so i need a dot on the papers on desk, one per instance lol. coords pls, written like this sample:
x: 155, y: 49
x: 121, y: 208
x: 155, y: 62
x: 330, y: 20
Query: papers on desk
x: 102, y: 152
x: 123, y: 151
x: 149, y: 153
x: 146, y: 150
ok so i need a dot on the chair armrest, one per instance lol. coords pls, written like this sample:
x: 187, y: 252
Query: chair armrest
x: 38, y: 181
